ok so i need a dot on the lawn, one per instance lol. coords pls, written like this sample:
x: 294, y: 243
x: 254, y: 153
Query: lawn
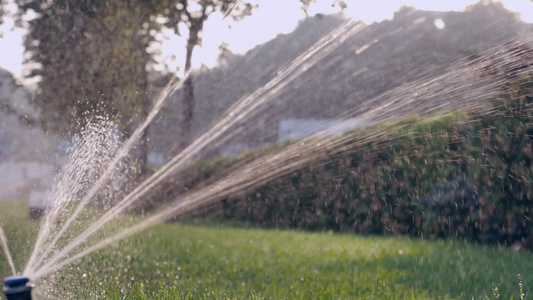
x: 176, y: 261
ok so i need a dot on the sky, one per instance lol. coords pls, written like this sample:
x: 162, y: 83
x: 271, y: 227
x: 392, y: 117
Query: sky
x: 270, y: 19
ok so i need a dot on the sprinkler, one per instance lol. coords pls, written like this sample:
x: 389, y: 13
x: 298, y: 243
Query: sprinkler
x: 17, y: 288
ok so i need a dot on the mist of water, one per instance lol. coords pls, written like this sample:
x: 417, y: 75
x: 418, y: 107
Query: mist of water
x: 64, y: 186
x: 87, y: 159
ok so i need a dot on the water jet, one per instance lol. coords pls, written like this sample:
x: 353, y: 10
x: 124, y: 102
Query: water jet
x: 17, y: 288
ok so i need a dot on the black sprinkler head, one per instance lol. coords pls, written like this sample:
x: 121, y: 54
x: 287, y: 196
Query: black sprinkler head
x: 17, y: 288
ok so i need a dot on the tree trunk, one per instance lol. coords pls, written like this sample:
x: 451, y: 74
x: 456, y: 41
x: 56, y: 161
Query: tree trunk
x: 188, y: 93
x: 188, y: 111
x: 144, y: 111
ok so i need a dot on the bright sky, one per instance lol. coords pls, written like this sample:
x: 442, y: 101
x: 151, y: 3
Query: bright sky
x: 270, y: 19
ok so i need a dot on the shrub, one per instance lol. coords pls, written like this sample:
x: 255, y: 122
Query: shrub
x: 449, y: 175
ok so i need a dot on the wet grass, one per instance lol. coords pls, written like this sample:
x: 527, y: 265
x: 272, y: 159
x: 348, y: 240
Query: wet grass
x: 173, y: 261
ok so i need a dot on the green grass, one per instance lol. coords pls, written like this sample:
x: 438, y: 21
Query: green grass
x: 173, y: 261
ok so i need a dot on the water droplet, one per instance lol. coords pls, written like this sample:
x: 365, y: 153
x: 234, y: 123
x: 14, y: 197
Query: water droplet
x: 439, y: 23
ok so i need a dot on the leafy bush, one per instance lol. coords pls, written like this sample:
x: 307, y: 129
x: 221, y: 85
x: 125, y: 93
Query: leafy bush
x: 450, y: 175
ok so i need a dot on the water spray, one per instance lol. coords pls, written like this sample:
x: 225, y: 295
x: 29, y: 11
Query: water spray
x: 17, y: 288
x: 242, y: 108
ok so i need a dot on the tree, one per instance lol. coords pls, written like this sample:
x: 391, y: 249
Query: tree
x: 92, y: 59
x: 88, y: 58
x: 193, y: 14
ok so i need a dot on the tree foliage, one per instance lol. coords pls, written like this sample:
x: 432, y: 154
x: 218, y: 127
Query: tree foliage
x: 90, y: 57
x: 194, y: 14
x: 1, y: 12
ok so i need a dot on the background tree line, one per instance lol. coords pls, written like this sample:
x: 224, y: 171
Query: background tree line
x: 92, y: 57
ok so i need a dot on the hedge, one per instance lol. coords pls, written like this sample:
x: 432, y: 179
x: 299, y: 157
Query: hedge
x: 454, y: 175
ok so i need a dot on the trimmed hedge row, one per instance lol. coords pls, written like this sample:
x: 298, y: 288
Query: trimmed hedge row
x: 452, y: 175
